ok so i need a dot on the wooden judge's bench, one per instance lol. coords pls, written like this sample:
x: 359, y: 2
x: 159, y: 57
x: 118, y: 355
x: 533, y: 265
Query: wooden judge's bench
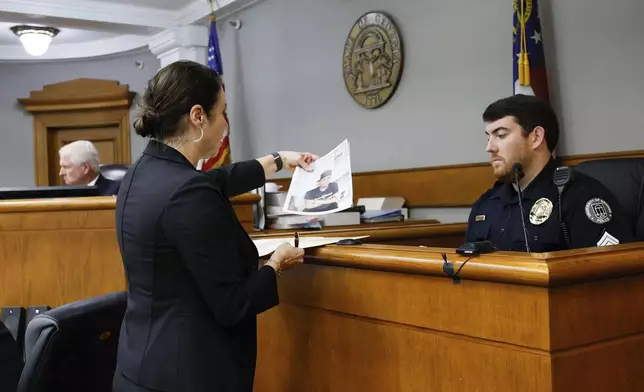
x: 381, y: 316
x: 55, y: 251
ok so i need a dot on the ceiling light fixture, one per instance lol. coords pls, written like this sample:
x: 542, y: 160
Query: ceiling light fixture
x: 35, y: 39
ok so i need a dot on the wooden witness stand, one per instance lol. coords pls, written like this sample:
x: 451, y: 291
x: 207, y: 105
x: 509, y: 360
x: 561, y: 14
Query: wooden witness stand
x: 379, y: 316
x: 386, y: 318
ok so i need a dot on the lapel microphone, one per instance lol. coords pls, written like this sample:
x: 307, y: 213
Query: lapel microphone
x: 517, y: 169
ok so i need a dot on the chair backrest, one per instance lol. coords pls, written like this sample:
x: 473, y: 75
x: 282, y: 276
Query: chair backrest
x: 114, y: 171
x: 10, y: 360
x: 624, y: 177
x: 13, y: 318
x: 73, y: 347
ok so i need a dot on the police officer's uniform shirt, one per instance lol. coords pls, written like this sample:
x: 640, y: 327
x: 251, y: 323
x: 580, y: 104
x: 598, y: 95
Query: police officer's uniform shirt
x: 592, y: 213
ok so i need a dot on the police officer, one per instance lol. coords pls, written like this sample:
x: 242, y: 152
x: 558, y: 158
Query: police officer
x: 524, y: 129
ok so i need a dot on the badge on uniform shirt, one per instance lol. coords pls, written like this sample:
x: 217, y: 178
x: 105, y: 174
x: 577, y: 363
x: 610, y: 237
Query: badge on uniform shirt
x: 540, y: 211
x: 598, y: 211
x: 479, y: 218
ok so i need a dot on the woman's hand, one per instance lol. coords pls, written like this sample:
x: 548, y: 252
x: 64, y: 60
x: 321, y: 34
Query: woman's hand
x: 286, y: 257
x: 292, y: 159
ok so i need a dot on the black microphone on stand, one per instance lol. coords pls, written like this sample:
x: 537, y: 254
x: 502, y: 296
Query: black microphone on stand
x: 517, y: 169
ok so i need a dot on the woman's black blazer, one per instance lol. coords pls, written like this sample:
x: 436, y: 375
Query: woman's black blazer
x: 194, y: 289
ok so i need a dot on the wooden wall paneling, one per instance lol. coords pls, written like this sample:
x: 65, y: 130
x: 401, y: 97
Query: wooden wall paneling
x: 42, y: 160
x: 55, y: 257
x: 55, y: 251
x: 377, y: 295
x: 613, y: 366
x: 376, y: 317
x: 322, y: 351
x: 442, y: 186
x: 77, y: 104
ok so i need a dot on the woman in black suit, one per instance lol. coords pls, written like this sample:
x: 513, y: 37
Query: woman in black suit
x: 194, y: 288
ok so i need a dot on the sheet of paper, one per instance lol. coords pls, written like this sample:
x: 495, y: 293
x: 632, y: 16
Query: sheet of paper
x: 268, y: 246
x: 326, y: 189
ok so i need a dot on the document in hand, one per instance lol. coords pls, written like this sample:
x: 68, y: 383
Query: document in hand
x: 326, y: 189
x: 268, y: 246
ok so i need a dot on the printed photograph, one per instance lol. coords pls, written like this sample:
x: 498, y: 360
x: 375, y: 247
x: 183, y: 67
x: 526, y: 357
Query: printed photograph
x: 328, y: 188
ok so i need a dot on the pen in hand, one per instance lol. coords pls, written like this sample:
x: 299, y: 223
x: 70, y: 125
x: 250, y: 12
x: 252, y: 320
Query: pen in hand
x: 297, y: 239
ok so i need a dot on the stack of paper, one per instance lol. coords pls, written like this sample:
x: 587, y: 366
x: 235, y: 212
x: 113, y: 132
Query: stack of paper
x: 394, y: 215
x: 268, y: 246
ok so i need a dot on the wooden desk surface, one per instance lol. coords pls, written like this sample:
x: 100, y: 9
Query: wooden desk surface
x: 87, y: 203
x: 416, y: 233
x: 272, y: 232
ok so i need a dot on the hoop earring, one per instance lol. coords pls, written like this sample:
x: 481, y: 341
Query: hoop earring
x: 200, y: 137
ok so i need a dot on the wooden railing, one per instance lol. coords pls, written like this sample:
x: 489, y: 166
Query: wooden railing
x: 442, y: 186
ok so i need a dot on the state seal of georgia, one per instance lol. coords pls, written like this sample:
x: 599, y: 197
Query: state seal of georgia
x: 373, y: 60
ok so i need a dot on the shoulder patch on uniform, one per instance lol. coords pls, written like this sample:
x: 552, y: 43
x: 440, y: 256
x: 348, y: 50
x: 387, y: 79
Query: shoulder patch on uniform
x: 598, y: 211
x: 541, y: 210
x: 607, y: 240
x: 479, y: 218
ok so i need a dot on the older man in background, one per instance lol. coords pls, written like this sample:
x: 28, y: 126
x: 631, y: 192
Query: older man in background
x: 79, y: 165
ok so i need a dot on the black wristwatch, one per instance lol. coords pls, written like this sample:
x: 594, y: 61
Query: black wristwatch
x: 277, y: 158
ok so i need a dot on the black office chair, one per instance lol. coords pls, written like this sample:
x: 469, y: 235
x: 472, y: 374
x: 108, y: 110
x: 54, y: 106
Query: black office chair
x: 10, y: 360
x: 73, y: 347
x: 624, y: 177
x: 113, y: 171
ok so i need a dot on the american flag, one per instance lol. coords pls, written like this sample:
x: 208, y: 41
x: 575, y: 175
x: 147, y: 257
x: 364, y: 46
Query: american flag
x: 528, y: 58
x: 214, y: 61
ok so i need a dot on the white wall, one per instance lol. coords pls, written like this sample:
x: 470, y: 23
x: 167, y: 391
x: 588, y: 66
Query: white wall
x: 595, y: 58
x: 286, y: 89
x: 284, y: 75
x: 17, y: 80
x: 288, y: 58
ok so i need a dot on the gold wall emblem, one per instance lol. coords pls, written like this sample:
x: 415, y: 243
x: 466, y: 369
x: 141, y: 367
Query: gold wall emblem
x: 373, y: 60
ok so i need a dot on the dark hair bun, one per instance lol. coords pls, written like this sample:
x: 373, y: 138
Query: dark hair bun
x: 146, y: 121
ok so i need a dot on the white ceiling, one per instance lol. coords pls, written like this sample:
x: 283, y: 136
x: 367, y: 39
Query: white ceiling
x: 117, y: 25
x: 66, y: 35
x: 163, y: 4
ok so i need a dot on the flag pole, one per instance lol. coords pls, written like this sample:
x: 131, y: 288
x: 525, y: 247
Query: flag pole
x: 223, y: 156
